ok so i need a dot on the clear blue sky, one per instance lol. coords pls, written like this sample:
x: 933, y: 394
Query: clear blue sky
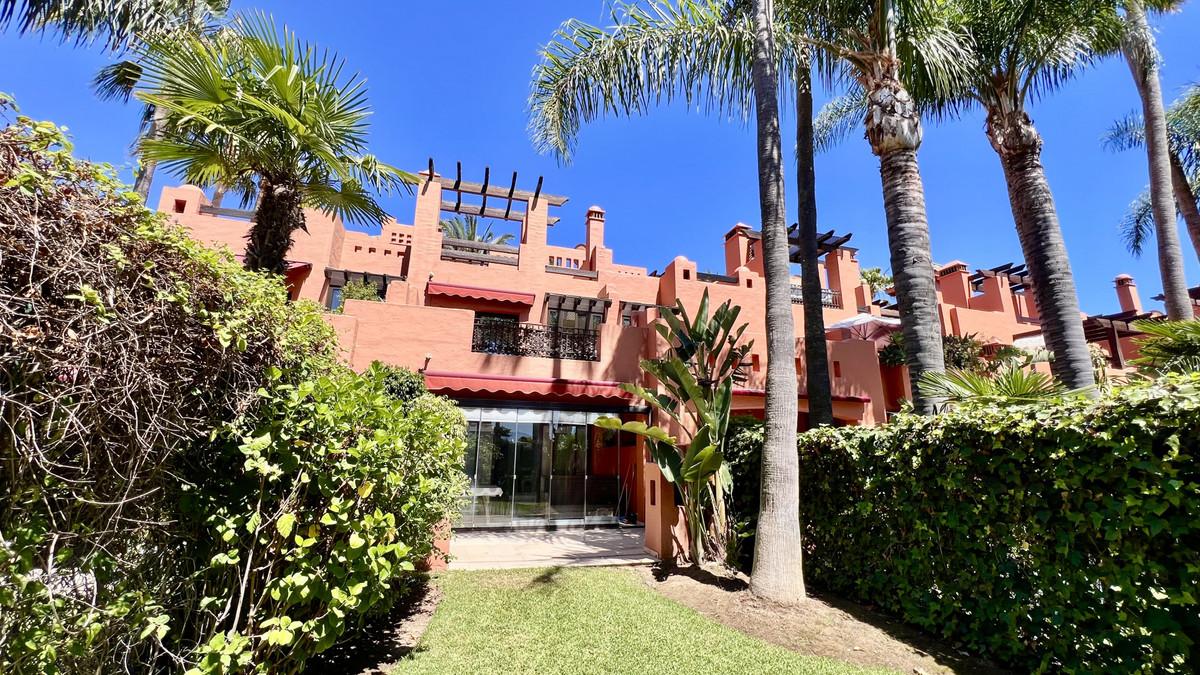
x: 450, y: 80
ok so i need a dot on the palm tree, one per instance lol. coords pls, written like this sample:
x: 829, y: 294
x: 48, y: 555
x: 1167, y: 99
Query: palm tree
x: 1142, y: 56
x: 274, y: 119
x: 116, y: 22
x: 816, y: 355
x: 117, y: 81
x: 1183, y: 131
x: 875, y: 279
x: 776, y: 574
x: 466, y: 228
x: 702, y: 51
x: 1021, y: 50
x: 883, y: 45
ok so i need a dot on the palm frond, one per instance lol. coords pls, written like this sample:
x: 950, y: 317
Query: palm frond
x: 114, y: 23
x: 694, y: 50
x: 1169, y: 346
x: 1137, y: 225
x: 1010, y: 385
x: 116, y: 81
x: 255, y: 102
x: 839, y: 118
x: 1127, y: 133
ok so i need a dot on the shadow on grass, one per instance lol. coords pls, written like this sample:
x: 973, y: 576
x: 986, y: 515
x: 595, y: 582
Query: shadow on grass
x: 383, y: 640
x: 547, y: 578
x: 923, y: 643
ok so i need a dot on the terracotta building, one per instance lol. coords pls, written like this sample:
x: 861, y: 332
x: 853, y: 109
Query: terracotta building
x: 533, y: 340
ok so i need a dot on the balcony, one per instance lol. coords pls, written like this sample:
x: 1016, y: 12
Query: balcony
x: 829, y: 297
x: 479, y: 252
x: 498, y: 336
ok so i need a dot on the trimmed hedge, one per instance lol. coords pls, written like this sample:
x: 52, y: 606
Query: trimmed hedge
x: 1061, y: 536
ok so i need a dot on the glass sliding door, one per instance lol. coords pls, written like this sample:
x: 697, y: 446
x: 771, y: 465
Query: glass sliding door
x: 533, y: 467
x: 570, y: 466
x: 531, y: 474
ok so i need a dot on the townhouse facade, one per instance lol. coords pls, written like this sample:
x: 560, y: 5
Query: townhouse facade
x: 534, y: 340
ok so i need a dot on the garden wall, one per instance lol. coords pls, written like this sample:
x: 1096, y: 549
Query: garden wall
x: 1048, y: 537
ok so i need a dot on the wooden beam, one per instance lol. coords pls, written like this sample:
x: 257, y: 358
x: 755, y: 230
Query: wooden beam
x: 497, y: 191
x: 477, y: 257
x: 227, y: 213
x: 511, y: 189
x: 483, y: 246
x: 1114, y: 345
x: 487, y: 176
x: 536, y: 192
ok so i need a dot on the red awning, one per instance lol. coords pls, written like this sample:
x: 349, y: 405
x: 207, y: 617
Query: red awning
x: 477, y: 293
x: 460, y: 384
x: 804, y: 395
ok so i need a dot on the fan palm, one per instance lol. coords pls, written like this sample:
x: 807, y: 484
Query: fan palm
x: 876, y: 279
x: 1010, y: 385
x: 466, y: 228
x: 1142, y: 56
x: 883, y: 45
x: 1183, y: 132
x: 274, y: 119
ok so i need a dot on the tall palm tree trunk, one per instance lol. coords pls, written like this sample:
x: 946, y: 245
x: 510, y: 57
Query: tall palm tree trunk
x: 816, y: 358
x: 894, y: 131
x: 1185, y: 201
x: 145, y: 172
x: 776, y: 574
x: 279, y: 214
x: 1019, y: 145
x: 1142, y: 57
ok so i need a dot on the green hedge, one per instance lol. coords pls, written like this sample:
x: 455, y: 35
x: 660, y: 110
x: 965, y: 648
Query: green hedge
x: 1063, y: 536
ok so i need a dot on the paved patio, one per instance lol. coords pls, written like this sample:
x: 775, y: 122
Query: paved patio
x: 475, y: 550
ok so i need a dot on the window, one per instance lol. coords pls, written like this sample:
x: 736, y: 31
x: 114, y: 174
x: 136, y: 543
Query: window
x: 335, y: 298
x: 180, y: 205
x: 564, y: 318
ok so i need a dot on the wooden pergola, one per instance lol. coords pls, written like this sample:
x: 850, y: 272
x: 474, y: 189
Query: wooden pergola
x: 1111, y: 328
x: 503, y: 197
x: 1018, y: 276
x: 827, y: 242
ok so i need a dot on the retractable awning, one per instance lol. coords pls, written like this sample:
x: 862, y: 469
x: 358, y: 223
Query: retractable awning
x: 466, y: 384
x: 479, y: 293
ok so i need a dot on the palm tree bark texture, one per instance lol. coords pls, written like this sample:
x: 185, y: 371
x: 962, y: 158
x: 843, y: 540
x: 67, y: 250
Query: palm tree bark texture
x: 894, y: 131
x: 279, y: 214
x: 1185, y: 201
x: 816, y: 358
x: 777, y: 573
x: 1019, y: 145
x: 1142, y: 57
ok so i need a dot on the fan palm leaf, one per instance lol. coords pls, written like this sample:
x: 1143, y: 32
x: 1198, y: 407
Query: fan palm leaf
x: 271, y: 116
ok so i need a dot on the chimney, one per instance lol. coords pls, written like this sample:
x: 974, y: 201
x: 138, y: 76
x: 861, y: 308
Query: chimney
x: 595, y: 228
x: 1127, y: 294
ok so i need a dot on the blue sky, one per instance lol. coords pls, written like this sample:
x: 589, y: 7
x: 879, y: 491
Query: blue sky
x: 449, y: 80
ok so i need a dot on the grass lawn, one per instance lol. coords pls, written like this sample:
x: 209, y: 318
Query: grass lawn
x: 585, y: 620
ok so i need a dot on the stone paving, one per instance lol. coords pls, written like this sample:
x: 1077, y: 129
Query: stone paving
x: 480, y: 550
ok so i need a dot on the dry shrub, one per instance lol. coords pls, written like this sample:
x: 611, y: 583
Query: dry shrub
x: 121, y: 341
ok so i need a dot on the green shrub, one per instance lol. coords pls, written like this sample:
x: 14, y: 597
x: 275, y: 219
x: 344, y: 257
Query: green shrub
x: 1058, y: 536
x: 188, y: 478
x: 401, y: 384
x: 342, y: 491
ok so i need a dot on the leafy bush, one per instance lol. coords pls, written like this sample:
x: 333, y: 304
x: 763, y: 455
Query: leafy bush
x: 960, y: 352
x: 343, y: 489
x: 1058, y: 536
x: 175, y: 437
x: 360, y: 290
x: 1169, y: 346
x: 400, y: 383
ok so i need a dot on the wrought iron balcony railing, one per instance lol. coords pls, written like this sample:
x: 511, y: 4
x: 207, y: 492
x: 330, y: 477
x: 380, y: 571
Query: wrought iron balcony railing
x: 829, y: 297
x: 496, y: 336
